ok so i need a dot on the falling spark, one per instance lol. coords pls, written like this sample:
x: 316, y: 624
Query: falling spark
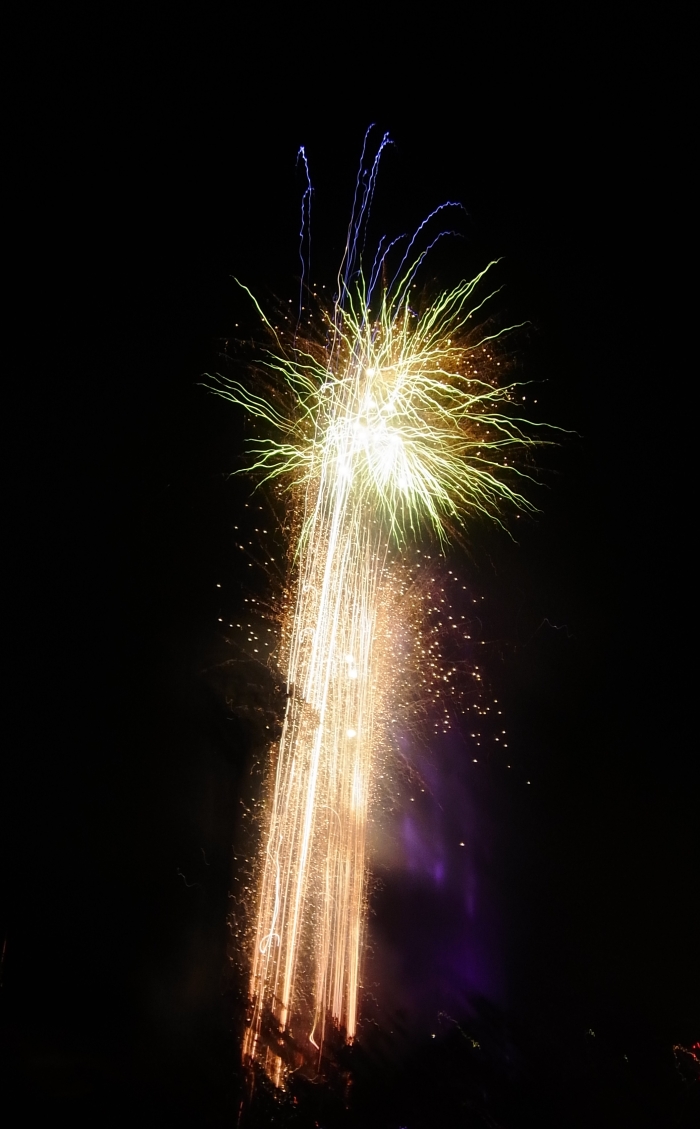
x: 385, y: 421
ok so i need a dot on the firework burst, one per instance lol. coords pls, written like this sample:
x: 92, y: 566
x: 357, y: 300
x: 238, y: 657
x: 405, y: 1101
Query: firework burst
x: 384, y: 423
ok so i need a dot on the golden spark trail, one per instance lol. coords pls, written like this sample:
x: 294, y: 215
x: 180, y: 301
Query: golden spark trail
x: 389, y: 422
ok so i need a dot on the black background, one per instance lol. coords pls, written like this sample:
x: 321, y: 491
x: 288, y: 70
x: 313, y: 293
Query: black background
x: 151, y: 161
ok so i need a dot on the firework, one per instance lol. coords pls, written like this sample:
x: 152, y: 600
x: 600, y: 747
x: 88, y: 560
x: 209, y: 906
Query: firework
x: 385, y: 422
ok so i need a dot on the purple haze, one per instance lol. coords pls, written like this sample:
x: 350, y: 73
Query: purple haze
x: 435, y: 927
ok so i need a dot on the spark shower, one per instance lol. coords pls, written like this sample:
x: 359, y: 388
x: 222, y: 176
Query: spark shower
x: 385, y: 423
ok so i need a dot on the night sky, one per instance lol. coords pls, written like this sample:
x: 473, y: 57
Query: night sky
x: 154, y: 161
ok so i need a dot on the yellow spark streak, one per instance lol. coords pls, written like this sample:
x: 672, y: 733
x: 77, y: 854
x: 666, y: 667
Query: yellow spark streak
x: 387, y: 425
